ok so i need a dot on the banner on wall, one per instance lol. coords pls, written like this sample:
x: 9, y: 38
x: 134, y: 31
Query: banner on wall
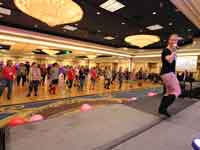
x: 188, y: 63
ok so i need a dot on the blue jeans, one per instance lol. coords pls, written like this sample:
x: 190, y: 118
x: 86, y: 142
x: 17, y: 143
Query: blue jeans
x: 34, y: 84
x: 81, y: 83
x: 9, y: 86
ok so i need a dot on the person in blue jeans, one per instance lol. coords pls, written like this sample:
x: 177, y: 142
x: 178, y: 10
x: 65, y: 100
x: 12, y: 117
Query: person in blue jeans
x: 82, y: 77
x: 9, y: 74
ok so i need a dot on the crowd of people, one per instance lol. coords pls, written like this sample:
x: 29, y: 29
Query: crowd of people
x: 35, y: 75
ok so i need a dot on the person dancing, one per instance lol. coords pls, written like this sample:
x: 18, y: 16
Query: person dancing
x: 168, y: 75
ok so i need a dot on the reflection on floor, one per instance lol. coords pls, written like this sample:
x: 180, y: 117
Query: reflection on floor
x: 19, y: 94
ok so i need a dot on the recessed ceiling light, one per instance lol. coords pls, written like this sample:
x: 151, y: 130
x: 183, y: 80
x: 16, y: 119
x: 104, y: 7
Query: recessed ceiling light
x: 155, y: 27
x: 170, y: 24
x: 154, y: 13
x: 109, y: 38
x: 99, y: 31
x: 161, y: 4
x: 70, y: 28
x: 76, y: 24
x: 1, y: 3
x: 35, y: 26
x: 5, y: 11
x: 141, y: 30
x: 125, y: 48
x: 98, y: 13
x: 123, y: 23
x: 189, y: 30
x: 112, y: 5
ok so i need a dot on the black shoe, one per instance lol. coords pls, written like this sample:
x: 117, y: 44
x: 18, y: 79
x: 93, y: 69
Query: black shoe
x: 8, y: 98
x: 165, y: 113
x: 36, y: 94
x: 28, y: 95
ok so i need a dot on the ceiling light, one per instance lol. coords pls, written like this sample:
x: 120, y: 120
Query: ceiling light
x: 125, y: 48
x: 50, y: 52
x: 141, y: 30
x: 35, y: 26
x: 189, y: 30
x: 112, y: 5
x: 142, y: 40
x: 76, y: 24
x: 109, y: 38
x: 98, y: 13
x: 155, y: 27
x: 154, y: 13
x: 70, y: 28
x: 91, y: 56
x: 5, y: 11
x: 123, y: 23
x: 161, y: 4
x: 99, y: 31
x: 170, y: 24
x: 51, y: 12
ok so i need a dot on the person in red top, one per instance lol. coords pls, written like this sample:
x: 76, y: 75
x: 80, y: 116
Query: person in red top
x: 93, y: 77
x: 70, y: 77
x: 9, y: 73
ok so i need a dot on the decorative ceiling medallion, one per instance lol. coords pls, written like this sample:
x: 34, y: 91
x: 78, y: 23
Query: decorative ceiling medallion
x: 51, y: 12
x: 142, y: 40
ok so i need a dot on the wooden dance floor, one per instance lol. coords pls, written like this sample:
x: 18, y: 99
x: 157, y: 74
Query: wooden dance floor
x: 19, y: 93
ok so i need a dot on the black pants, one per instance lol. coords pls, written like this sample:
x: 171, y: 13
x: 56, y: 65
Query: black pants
x: 69, y: 83
x: 34, y: 85
x: 166, y: 102
x: 120, y: 83
x: 107, y: 83
x: 19, y: 77
x: 43, y: 79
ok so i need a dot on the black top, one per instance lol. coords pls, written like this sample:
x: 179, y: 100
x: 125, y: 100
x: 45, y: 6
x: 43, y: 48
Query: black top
x: 81, y: 74
x: 166, y: 66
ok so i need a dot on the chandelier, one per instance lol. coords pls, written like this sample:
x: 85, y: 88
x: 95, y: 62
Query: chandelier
x: 142, y: 40
x: 51, y: 12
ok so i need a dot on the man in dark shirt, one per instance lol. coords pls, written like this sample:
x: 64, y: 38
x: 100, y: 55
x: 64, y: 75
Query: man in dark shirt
x: 168, y: 75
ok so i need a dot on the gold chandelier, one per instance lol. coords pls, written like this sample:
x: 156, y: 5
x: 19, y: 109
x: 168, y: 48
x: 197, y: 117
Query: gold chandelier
x: 142, y: 40
x: 51, y: 12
